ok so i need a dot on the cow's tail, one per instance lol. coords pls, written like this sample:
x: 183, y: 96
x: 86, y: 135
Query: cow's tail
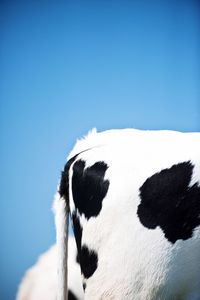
x: 61, y: 211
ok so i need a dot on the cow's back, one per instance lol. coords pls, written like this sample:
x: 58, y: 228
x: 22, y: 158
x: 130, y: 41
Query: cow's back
x: 135, y: 204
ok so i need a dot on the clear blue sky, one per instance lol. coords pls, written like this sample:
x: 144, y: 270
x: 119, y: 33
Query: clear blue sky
x: 68, y: 66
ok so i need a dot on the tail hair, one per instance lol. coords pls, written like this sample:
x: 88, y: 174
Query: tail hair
x: 61, y: 212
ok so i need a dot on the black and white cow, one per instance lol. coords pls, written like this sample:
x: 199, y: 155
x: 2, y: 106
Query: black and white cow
x: 134, y: 199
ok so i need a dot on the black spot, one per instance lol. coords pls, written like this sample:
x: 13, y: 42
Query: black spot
x: 88, y: 261
x: 89, y: 187
x: 77, y: 232
x: 77, y: 259
x: 71, y: 296
x: 64, y: 183
x: 85, y: 257
x: 84, y: 286
x: 168, y: 201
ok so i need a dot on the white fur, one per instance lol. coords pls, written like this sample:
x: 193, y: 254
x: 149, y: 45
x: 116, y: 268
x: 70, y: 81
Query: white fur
x: 61, y: 222
x: 39, y: 282
x: 133, y: 261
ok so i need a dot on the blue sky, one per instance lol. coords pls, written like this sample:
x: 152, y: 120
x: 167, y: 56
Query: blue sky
x: 68, y: 66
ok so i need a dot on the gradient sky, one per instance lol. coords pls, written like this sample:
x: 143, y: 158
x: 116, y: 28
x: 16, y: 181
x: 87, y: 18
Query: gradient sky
x: 68, y: 66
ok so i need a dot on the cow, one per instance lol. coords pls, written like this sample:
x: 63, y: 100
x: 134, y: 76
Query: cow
x: 39, y: 281
x: 134, y: 200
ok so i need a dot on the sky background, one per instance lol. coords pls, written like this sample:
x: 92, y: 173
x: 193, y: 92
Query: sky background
x: 68, y: 66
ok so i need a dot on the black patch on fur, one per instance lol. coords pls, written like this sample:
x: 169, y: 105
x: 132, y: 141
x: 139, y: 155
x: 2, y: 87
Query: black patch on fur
x: 84, y: 286
x: 167, y: 201
x: 71, y: 296
x: 88, y: 261
x: 86, y: 258
x: 64, y: 183
x: 77, y: 259
x: 77, y: 232
x: 89, y: 187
